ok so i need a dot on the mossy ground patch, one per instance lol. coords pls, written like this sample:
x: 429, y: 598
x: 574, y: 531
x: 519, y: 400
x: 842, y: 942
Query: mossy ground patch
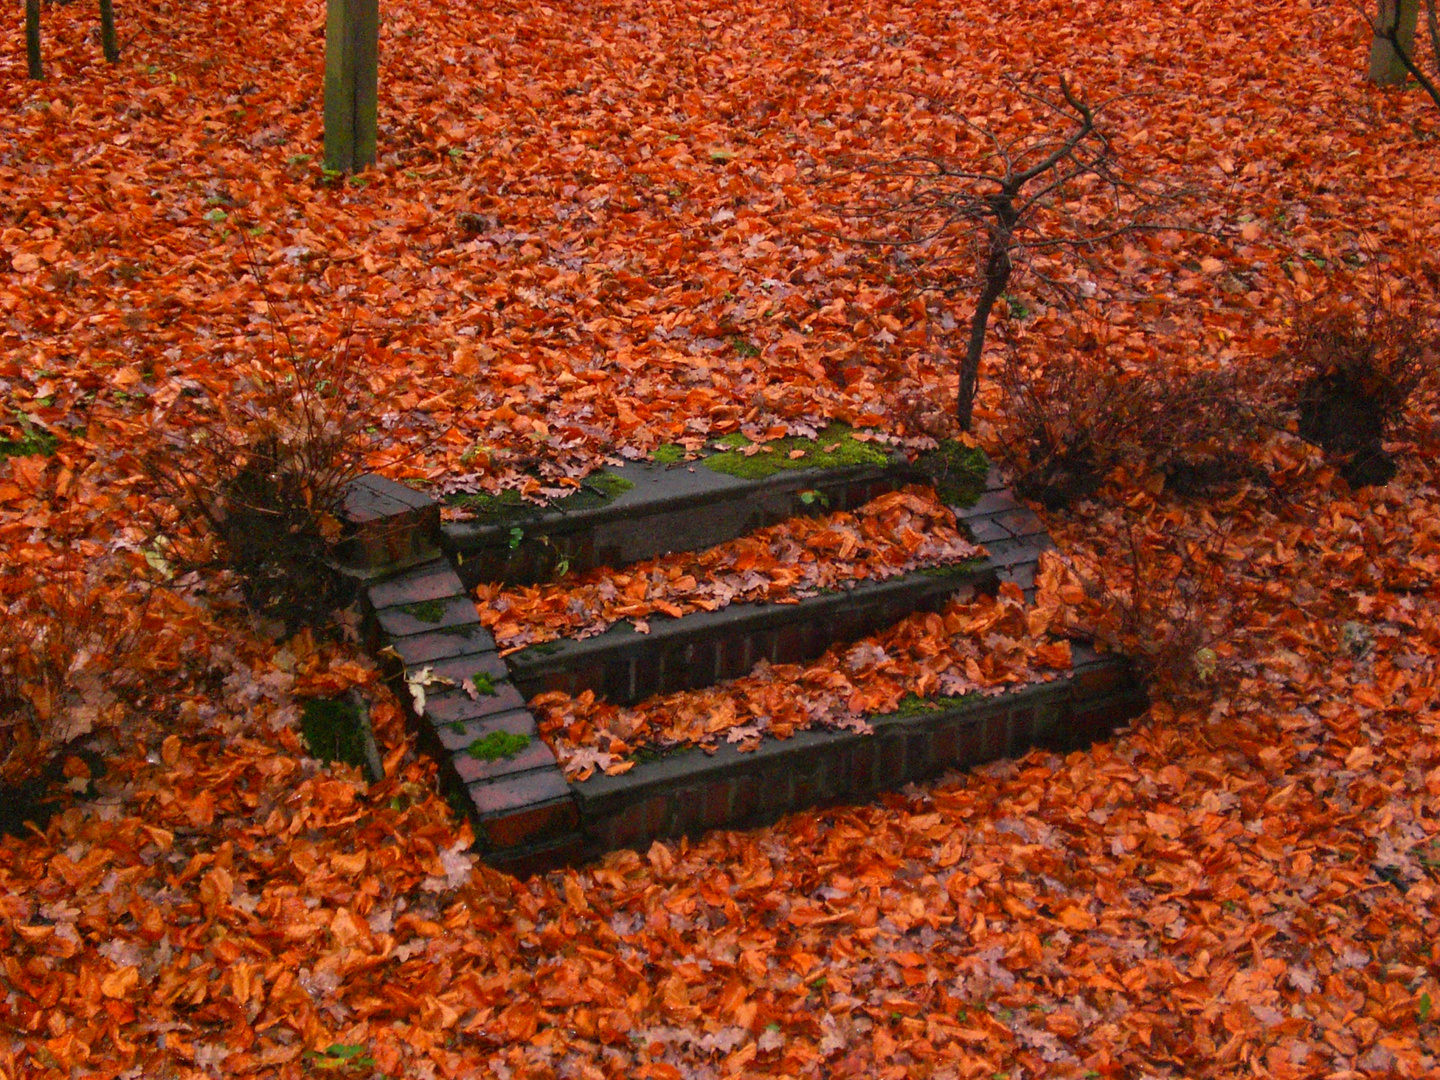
x: 29, y: 444
x: 333, y: 731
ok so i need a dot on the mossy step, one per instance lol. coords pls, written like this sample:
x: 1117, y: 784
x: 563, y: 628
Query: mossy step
x: 702, y: 648
x: 640, y: 510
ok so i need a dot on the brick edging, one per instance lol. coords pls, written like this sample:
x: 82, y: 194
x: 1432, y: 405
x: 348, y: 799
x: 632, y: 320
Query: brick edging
x: 423, y: 620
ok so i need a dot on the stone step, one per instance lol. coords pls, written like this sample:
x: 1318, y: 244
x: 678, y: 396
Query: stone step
x: 701, y: 648
x: 663, y: 509
x: 690, y: 791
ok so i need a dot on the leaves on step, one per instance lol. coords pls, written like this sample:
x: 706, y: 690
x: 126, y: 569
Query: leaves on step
x: 893, y: 534
x: 979, y: 646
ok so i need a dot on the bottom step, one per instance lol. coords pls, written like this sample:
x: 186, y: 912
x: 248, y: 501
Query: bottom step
x: 689, y: 792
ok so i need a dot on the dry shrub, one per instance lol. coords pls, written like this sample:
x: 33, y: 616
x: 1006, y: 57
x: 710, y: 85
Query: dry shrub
x: 1353, y: 374
x: 1070, y: 419
x: 257, y: 478
x: 61, y: 643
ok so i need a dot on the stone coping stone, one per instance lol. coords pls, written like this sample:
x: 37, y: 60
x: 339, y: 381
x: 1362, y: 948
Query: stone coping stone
x: 701, y: 648
x: 385, y: 526
x: 668, y: 508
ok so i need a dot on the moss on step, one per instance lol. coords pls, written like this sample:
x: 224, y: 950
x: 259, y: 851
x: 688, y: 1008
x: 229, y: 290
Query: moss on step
x: 498, y: 507
x: 957, y: 471
x: 954, y: 570
x: 668, y: 454
x: 497, y: 745
x: 596, y: 490
x: 648, y: 754
x: 834, y: 448
x: 426, y: 611
x: 911, y: 706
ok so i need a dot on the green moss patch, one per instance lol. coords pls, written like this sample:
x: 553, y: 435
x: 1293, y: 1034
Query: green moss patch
x: 498, y: 507
x: 484, y: 683
x: 954, y: 570
x: 957, y: 471
x: 911, y: 705
x: 668, y: 454
x: 497, y: 745
x: 30, y: 444
x: 332, y: 730
x: 596, y: 490
x: 647, y: 754
x: 429, y: 611
x: 834, y: 448
x: 605, y: 487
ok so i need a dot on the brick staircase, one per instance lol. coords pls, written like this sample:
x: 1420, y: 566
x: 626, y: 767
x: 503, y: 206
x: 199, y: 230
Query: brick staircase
x: 417, y: 574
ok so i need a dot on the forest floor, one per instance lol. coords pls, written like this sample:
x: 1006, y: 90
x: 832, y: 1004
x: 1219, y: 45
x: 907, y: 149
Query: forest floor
x: 598, y: 228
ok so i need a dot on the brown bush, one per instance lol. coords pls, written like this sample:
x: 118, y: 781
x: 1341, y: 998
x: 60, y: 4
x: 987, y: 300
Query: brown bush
x: 1071, y: 419
x: 60, y: 644
x: 1160, y: 596
x: 1353, y: 373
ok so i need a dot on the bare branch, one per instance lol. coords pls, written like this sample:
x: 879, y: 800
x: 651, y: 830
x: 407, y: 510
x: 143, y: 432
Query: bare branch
x: 1087, y: 125
x: 1056, y: 188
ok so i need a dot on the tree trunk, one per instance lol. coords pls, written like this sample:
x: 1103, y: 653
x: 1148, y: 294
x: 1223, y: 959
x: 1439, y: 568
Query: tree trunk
x: 997, y: 276
x: 32, y: 39
x: 1401, y: 16
x: 352, y: 30
x: 1434, y: 22
x: 107, y: 31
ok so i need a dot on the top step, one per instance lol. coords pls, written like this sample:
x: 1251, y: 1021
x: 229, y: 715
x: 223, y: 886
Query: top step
x: 640, y: 510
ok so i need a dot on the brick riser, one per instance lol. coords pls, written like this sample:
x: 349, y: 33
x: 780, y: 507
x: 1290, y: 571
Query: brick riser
x: 691, y: 792
x: 703, y: 648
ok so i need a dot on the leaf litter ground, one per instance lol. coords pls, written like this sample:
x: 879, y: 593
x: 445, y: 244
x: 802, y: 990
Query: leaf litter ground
x: 588, y: 236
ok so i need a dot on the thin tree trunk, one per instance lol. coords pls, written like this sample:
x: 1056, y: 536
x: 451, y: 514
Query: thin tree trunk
x: 32, y: 39
x: 1434, y: 21
x: 107, y: 31
x: 1387, y: 32
x: 1394, y: 36
x: 997, y: 276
